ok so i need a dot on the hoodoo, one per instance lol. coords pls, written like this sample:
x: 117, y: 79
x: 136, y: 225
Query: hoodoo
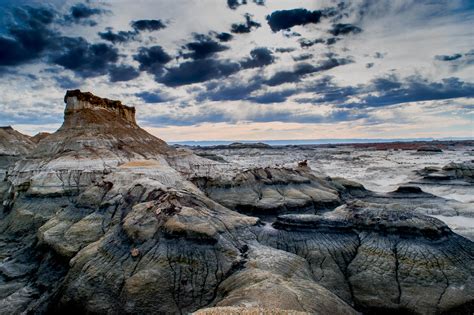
x: 100, y: 127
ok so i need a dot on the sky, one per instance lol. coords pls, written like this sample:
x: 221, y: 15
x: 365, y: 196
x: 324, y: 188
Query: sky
x: 245, y: 69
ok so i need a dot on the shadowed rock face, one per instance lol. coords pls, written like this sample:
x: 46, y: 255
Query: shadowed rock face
x: 89, y: 224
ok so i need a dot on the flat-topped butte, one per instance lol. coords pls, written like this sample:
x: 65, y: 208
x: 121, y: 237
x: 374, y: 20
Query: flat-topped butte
x: 76, y: 100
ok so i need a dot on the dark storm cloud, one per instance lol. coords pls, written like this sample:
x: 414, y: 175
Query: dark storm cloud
x: 28, y: 35
x: 302, y: 57
x: 82, y: 14
x: 457, y: 61
x: 285, y: 49
x: 206, y: 69
x: 272, y: 97
x: 66, y: 82
x: 246, y: 27
x: 302, y: 69
x: 234, y: 4
x: 259, y: 57
x: 202, y: 47
x: 31, y: 37
x: 382, y: 91
x: 327, y: 91
x: 123, y: 73
x: 305, y: 43
x: 119, y: 37
x: 199, y: 70
x: 152, y: 59
x: 148, y: 25
x: 284, y: 19
x: 13, y: 53
x: 224, y: 37
x: 343, y: 29
x: 387, y: 90
x: 288, y: 33
x: 369, y: 65
x: 229, y: 92
x: 245, y: 90
x: 259, y: 2
x: 332, y: 41
x: 85, y: 59
x: 82, y: 11
x: 448, y: 57
x: 153, y: 97
x: 392, y: 90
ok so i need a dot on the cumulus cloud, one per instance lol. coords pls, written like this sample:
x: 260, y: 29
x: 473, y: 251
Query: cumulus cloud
x: 84, y: 58
x: 148, y: 25
x: 203, y: 47
x: 205, y: 69
x: 82, y: 13
x: 391, y: 89
x: 152, y: 59
x: 119, y: 37
x: 284, y: 19
x: 305, y: 43
x: 303, y: 68
x: 246, y: 27
x: 123, y: 73
x: 259, y: 57
x: 448, y: 57
x: 234, y: 4
x: 343, y: 29
x: 224, y: 37
x: 199, y: 70
x: 28, y: 35
x: 153, y: 97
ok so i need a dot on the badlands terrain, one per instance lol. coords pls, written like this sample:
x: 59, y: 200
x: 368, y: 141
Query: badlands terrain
x: 101, y: 217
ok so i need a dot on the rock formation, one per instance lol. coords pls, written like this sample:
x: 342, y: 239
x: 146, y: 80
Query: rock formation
x: 452, y: 173
x: 14, y: 143
x: 102, y: 217
x: 13, y: 146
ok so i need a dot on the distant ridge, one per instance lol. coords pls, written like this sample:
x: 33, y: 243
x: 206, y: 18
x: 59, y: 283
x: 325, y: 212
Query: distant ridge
x: 314, y: 141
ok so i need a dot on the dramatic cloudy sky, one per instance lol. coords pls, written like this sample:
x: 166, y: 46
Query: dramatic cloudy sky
x: 254, y: 69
